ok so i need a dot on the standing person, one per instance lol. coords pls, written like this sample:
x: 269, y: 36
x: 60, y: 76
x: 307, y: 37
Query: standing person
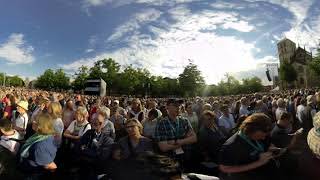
x: 118, y: 121
x: 244, y: 104
x: 245, y: 155
x: 41, y: 107
x: 307, y: 115
x: 192, y: 117
x: 9, y: 138
x: 280, y: 133
x: 174, y: 134
x: 39, y: 151
x: 150, y: 123
x: 68, y: 113
x: 226, y: 120
x: 21, y: 122
x: 55, y: 110
x: 301, y: 107
x: 210, y: 137
x: 136, y: 110
x: 281, y: 104
x: 7, y: 114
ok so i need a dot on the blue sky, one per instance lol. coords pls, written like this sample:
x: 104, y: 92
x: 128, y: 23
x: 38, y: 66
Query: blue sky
x: 235, y: 36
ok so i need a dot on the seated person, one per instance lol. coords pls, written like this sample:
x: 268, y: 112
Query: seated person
x: 9, y: 136
x: 39, y: 151
x: 95, y: 143
x: 210, y: 137
x: 134, y: 143
x: 280, y: 133
x: 78, y: 127
x: 245, y: 154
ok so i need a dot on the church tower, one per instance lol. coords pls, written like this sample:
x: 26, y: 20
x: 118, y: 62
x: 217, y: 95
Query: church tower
x: 286, y: 50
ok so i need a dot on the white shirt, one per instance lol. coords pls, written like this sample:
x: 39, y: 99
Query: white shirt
x: 22, y: 121
x: 227, y: 122
x: 279, y: 112
x: 299, y: 113
x: 11, y: 145
x: 83, y: 129
x: 58, y: 126
x: 243, y: 110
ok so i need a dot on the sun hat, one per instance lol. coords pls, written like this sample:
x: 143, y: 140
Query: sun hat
x: 313, y: 138
x: 23, y: 104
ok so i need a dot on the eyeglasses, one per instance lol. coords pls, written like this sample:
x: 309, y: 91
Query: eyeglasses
x: 97, y: 123
x: 132, y: 126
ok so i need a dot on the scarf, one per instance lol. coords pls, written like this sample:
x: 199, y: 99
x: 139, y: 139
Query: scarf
x: 30, y: 141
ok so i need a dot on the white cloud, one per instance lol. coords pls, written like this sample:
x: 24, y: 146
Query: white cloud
x: 96, y: 2
x: 300, y: 32
x: 242, y: 26
x: 16, y: 51
x: 168, y: 51
x: 226, y: 5
x: 89, y: 50
x: 135, y: 22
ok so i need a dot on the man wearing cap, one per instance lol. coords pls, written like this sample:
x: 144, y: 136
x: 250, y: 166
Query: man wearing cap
x: 21, y: 122
x: 174, y: 133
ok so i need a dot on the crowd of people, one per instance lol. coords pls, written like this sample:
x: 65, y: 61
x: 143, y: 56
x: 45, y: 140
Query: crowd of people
x: 254, y: 136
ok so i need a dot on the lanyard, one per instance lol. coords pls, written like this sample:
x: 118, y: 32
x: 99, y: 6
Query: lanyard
x: 258, y: 147
x: 176, y: 128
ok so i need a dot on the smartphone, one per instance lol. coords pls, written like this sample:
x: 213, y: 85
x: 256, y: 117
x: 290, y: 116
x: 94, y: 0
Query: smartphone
x: 277, y: 151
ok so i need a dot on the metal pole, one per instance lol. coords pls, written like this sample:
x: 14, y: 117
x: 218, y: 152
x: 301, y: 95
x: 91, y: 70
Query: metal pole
x: 4, y: 79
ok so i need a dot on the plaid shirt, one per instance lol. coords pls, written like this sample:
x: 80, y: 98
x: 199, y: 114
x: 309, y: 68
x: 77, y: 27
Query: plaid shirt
x: 167, y: 129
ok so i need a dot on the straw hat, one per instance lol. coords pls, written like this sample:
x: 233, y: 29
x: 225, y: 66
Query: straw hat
x: 23, y: 104
x: 313, y: 138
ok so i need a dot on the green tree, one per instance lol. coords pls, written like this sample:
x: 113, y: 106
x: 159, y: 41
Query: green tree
x: 46, y: 80
x: 81, y: 77
x: 287, y: 72
x: 191, y: 80
x: 15, y: 81
x: 52, y: 80
x: 315, y: 63
x: 61, y: 80
x: 251, y: 85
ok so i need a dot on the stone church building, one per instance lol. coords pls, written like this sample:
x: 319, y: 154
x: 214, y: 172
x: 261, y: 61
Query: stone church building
x: 299, y: 58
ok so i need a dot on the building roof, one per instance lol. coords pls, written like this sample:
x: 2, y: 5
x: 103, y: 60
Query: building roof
x: 285, y: 39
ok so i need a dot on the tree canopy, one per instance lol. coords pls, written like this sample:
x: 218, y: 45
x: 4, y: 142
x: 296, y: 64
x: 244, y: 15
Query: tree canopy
x: 128, y: 80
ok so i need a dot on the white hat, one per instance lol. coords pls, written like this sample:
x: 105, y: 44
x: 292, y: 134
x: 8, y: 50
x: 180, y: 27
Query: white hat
x: 23, y: 104
x: 310, y: 99
x: 116, y: 101
x: 313, y: 138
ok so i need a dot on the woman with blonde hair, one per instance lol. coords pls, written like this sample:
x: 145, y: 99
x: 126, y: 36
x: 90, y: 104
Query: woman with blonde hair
x: 134, y: 143
x: 55, y: 110
x: 39, y: 151
x: 136, y: 110
x: 79, y: 126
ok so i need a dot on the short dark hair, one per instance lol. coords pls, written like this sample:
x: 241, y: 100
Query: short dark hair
x: 256, y: 122
x: 153, y: 112
x: 6, y: 124
x: 173, y: 102
x: 285, y: 116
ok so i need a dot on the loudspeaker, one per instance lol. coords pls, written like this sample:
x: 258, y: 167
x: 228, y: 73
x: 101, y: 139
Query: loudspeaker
x: 268, y: 75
